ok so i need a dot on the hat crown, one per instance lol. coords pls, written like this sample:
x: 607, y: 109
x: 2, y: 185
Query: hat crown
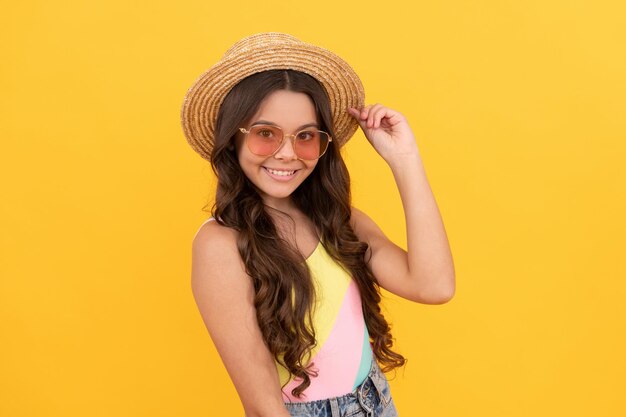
x: 260, y: 41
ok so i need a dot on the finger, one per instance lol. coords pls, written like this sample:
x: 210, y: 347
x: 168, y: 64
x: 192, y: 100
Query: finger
x: 393, y: 117
x: 354, y: 112
x: 372, y: 113
x: 378, y: 114
x: 358, y: 116
x: 365, y: 112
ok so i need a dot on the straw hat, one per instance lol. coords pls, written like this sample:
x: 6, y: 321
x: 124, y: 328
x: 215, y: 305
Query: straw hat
x: 268, y: 51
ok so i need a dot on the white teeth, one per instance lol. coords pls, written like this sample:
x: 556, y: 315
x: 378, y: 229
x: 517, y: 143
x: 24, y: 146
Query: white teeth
x: 280, y: 173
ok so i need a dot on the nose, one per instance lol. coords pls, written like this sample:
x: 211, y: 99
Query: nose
x: 286, y: 151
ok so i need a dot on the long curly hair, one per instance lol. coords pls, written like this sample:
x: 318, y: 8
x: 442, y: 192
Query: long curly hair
x: 284, y: 292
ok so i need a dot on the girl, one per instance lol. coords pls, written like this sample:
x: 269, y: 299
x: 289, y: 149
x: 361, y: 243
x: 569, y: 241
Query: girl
x: 286, y: 273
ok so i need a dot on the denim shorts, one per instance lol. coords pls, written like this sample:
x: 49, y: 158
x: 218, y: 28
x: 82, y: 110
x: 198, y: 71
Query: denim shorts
x: 370, y: 399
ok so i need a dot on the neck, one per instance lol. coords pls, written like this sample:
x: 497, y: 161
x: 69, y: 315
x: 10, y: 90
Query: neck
x: 285, y: 205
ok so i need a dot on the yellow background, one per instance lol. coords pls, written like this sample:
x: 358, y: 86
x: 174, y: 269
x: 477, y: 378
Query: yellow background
x: 519, y: 112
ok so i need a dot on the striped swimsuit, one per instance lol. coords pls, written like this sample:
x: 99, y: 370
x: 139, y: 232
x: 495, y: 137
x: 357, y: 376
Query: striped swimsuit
x: 349, y: 380
x: 343, y: 354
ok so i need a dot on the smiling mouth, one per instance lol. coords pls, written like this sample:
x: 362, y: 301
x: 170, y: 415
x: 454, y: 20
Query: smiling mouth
x: 281, y: 172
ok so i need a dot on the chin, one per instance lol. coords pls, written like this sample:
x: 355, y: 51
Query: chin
x: 277, y: 195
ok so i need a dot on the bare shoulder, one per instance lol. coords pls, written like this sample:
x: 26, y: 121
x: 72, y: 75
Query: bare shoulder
x: 215, y: 254
x: 365, y: 228
x: 358, y: 215
x: 214, y: 239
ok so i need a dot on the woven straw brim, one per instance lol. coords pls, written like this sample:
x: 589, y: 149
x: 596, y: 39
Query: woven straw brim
x: 264, y: 52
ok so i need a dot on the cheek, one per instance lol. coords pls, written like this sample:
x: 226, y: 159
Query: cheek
x: 312, y: 165
x: 310, y: 168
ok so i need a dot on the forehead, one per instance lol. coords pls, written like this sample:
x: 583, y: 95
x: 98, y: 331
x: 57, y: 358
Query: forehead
x: 287, y: 109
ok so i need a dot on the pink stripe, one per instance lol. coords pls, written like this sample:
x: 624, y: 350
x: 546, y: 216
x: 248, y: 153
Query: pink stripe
x: 339, y: 359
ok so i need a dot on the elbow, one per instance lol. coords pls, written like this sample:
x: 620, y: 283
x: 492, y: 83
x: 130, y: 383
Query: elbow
x: 439, y: 293
x: 444, y: 296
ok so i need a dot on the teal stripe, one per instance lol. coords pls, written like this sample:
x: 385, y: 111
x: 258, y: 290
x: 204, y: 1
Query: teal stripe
x: 366, y: 360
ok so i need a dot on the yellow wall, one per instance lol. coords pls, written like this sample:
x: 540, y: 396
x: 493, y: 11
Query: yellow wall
x: 518, y: 107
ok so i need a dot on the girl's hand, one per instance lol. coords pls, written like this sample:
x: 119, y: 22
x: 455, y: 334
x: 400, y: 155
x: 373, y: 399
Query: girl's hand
x: 387, y: 130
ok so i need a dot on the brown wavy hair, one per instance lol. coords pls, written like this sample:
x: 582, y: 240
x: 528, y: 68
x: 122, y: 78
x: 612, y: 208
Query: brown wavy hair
x: 277, y: 269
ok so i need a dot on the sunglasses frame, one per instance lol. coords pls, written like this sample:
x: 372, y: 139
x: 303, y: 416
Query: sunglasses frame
x: 282, y: 141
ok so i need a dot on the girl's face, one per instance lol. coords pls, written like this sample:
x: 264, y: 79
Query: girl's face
x: 277, y: 176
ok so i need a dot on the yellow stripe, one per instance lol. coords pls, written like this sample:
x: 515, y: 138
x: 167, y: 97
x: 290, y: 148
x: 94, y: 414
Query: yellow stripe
x: 331, y: 283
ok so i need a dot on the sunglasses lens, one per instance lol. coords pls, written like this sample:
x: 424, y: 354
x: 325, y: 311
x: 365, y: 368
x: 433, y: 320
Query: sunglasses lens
x: 264, y: 140
x: 311, y: 144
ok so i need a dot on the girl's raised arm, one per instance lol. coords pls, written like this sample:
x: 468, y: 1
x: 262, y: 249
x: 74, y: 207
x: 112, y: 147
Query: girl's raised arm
x: 224, y: 295
x: 424, y: 273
